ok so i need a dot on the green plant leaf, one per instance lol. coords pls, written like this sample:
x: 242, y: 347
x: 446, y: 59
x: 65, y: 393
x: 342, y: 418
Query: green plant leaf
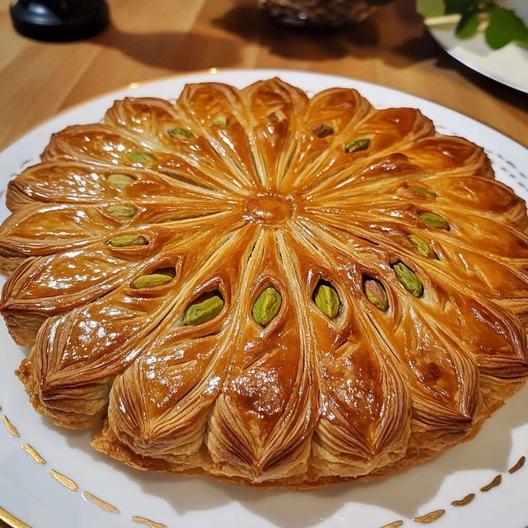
x: 460, y: 6
x: 468, y: 25
x: 505, y: 27
x: 430, y: 8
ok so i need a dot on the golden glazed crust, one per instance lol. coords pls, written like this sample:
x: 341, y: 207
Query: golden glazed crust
x: 235, y: 191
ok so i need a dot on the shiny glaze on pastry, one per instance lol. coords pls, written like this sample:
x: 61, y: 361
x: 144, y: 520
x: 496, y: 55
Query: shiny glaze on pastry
x: 235, y: 191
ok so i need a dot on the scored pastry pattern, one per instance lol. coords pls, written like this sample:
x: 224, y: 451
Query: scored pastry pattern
x: 265, y: 287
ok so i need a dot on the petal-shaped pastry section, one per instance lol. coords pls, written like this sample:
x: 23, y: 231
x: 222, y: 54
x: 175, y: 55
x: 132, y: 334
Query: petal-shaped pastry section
x: 442, y: 378
x: 53, y: 284
x: 379, y: 177
x: 330, y: 114
x: 166, y: 413
x: 364, y: 404
x: 483, y: 196
x: 488, y: 236
x: 493, y: 335
x: 75, y: 182
x: 100, y: 144
x: 382, y: 132
x: 407, y: 183
x: 50, y: 285
x: 76, y: 356
x: 275, y: 111
x: 449, y: 154
x: 217, y: 109
x: 146, y: 116
x: 486, y: 275
x: 172, y: 131
x: 43, y: 229
x: 106, y: 145
x: 263, y: 420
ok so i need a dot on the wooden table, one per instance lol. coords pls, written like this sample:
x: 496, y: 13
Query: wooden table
x: 164, y: 37
x: 150, y: 39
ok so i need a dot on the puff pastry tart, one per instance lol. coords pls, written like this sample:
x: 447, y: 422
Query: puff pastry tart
x: 264, y: 287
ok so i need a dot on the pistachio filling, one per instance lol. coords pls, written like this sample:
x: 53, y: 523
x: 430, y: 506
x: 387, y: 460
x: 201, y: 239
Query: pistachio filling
x: 327, y: 300
x: 120, y: 181
x: 267, y: 306
x: 155, y: 279
x: 180, y: 133
x: 323, y: 130
x: 221, y: 121
x: 145, y: 158
x: 121, y: 212
x: 128, y: 240
x: 376, y: 294
x: 357, y: 145
x: 434, y: 220
x: 423, y: 190
x: 202, y: 311
x: 408, y: 279
x: 422, y: 246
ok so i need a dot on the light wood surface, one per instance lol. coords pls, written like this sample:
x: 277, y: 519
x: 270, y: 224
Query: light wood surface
x: 150, y: 39
x: 155, y: 38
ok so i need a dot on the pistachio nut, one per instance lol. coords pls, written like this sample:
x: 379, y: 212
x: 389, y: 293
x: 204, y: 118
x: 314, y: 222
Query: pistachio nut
x: 323, y: 130
x: 121, y: 212
x: 152, y: 280
x: 434, y: 220
x: 422, y: 246
x: 179, y: 133
x: 423, y: 190
x: 203, y: 311
x: 267, y: 306
x: 144, y: 158
x: 128, y: 240
x: 376, y: 294
x: 357, y: 145
x: 327, y: 300
x: 408, y: 279
x: 221, y: 121
x: 120, y: 181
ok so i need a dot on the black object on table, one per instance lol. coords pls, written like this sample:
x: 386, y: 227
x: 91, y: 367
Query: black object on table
x: 59, y: 20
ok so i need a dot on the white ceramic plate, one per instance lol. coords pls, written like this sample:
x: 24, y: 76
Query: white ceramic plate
x: 29, y: 491
x: 508, y: 65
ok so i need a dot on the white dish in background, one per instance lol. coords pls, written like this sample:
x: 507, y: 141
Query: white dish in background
x: 508, y: 65
x: 28, y: 491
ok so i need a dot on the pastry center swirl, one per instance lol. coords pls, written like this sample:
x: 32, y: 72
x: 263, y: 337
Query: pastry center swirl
x: 269, y: 209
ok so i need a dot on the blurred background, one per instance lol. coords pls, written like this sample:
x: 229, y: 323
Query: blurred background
x: 149, y: 39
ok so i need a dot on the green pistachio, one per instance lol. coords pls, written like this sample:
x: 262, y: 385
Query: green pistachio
x: 221, y: 121
x: 357, y: 145
x: 120, y: 181
x: 267, y: 306
x: 408, y: 279
x: 376, y: 294
x: 179, y: 133
x: 121, y: 212
x: 327, y: 300
x: 323, y: 130
x: 152, y: 280
x: 144, y: 158
x: 422, y: 190
x: 422, y: 246
x: 203, y: 311
x: 434, y: 220
x: 128, y: 240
